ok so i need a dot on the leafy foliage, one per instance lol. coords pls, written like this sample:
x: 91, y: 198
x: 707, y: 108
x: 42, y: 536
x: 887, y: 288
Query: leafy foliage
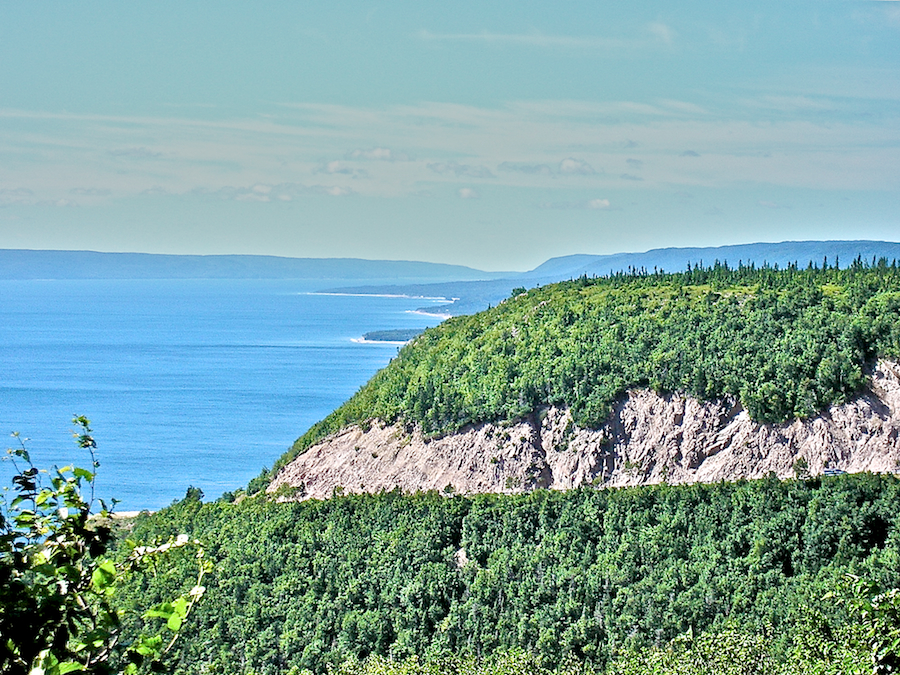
x: 784, y: 343
x: 58, y: 611
x: 880, y: 618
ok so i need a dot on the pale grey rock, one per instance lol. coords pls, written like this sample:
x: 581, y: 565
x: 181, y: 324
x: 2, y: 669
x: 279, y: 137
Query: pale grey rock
x: 649, y: 438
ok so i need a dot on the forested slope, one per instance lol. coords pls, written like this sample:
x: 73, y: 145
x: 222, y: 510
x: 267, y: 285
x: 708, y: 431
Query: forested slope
x: 784, y: 343
x: 584, y: 576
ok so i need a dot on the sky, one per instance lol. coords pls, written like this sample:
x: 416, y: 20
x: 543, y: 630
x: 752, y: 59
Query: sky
x: 495, y: 135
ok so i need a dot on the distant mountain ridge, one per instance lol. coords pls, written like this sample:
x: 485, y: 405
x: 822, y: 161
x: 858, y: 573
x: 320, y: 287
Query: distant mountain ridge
x: 677, y: 259
x: 37, y: 264
x: 472, y: 290
x: 474, y: 296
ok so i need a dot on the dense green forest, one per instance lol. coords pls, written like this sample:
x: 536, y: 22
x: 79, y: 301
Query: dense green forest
x: 786, y: 343
x: 588, y: 578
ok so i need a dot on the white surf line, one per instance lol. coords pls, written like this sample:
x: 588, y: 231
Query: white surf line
x: 363, y: 341
x: 384, y: 295
x: 439, y: 315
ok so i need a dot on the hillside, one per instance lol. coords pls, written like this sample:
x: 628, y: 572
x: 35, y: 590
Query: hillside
x: 706, y: 375
x: 760, y: 347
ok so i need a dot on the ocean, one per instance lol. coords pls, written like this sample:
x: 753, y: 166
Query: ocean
x: 196, y: 383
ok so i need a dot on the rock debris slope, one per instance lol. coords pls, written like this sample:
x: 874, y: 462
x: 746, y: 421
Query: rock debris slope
x: 649, y: 438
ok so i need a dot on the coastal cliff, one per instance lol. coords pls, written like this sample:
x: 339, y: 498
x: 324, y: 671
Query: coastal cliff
x: 649, y: 438
x: 713, y: 374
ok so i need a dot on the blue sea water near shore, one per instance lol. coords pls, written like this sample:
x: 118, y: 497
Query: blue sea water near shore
x: 186, y: 382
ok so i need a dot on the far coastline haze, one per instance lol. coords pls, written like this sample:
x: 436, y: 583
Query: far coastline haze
x: 494, y: 136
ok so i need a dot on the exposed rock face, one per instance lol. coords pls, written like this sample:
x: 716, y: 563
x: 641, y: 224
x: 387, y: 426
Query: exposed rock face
x: 648, y: 439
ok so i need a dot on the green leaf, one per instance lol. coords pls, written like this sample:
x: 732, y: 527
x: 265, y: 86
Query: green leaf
x: 180, y: 607
x: 70, y: 667
x: 163, y: 610
x: 83, y: 473
x: 174, y: 622
x: 150, y: 646
x: 104, y: 576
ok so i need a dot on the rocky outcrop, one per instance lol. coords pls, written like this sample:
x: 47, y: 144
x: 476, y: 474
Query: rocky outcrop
x: 649, y: 438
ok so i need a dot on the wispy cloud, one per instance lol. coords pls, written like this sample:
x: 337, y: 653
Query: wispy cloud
x: 261, y: 192
x: 656, y: 33
x: 16, y: 192
x: 520, y: 145
x: 468, y: 193
x: 336, y: 167
x: 20, y: 196
x: 91, y: 192
x: 380, y: 154
x: 566, y: 167
x: 461, y: 170
x: 135, y: 153
x: 589, y: 204
x: 526, y: 168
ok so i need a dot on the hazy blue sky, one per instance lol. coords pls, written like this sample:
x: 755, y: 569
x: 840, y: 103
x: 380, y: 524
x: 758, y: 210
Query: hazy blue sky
x: 490, y: 134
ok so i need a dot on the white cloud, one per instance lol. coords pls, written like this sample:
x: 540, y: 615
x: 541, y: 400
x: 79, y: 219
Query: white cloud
x: 251, y: 197
x: 468, y: 193
x: 61, y: 203
x: 337, y: 167
x: 572, y: 166
x: 598, y: 204
x: 333, y: 190
x: 381, y: 154
x: 662, y: 32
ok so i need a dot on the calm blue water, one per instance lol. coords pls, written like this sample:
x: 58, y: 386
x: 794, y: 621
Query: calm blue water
x: 185, y: 382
